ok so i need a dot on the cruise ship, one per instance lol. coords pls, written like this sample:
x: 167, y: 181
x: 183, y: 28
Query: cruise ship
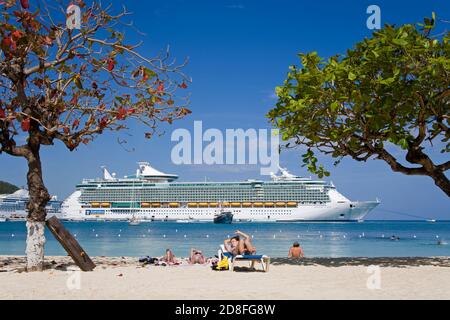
x: 151, y: 195
x: 14, y: 206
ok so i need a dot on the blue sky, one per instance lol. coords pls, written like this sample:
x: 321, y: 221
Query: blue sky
x: 239, y: 52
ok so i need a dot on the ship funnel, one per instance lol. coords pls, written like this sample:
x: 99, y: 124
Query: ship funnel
x: 106, y: 174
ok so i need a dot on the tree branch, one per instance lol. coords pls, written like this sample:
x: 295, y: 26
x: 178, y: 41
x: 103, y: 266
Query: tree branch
x: 398, y: 167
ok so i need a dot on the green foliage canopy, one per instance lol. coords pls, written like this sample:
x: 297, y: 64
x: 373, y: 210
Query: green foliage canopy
x: 392, y: 89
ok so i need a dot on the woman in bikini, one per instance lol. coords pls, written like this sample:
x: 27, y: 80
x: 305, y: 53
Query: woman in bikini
x: 240, y: 244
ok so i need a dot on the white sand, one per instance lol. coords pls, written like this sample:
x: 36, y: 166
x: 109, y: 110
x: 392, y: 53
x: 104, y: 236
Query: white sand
x: 200, y: 282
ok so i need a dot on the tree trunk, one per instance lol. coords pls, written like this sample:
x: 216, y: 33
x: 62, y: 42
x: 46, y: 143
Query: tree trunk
x: 39, y: 198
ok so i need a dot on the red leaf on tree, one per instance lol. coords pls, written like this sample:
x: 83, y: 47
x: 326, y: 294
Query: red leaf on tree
x: 122, y: 113
x: 183, y: 85
x: 25, y: 4
x: 74, y: 100
x: 103, y: 122
x: 131, y: 111
x: 2, y: 113
x: 111, y: 65
x: 7, y: 42
x: 75, y: 124
x: 17, y: 34
x: 160, y: 88
x: 185, y: 111
x: 25, y: 125
x: 66, y: 130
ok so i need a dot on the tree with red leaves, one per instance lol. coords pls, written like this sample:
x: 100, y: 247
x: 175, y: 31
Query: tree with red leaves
x: 72, y: 86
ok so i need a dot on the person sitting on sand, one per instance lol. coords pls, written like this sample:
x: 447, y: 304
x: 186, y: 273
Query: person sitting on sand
x: 169, y: 257
x: 296, y: 252
x: 240, y: 244
x: 196, y: 257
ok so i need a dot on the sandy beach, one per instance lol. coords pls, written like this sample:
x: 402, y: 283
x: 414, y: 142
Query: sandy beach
x: 125, y: 278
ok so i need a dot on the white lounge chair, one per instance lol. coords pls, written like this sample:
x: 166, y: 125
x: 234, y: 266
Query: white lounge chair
x: 262, y: 259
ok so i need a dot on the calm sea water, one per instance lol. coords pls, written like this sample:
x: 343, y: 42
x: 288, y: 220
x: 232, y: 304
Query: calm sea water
x: 368, y: 239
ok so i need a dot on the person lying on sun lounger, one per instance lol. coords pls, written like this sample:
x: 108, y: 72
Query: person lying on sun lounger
x: 240, y: 244
x: 196, y: 257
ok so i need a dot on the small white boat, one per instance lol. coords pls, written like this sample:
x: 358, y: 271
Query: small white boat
x: 134, y: 222
x: 2, y: 219
x: 190, y: 220
x: 431, y: 221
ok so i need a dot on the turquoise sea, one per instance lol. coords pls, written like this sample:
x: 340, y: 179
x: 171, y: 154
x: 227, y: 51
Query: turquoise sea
x: 368, y: 239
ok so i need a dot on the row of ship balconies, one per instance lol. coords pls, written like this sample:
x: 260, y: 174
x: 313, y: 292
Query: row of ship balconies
x: 290, y: 204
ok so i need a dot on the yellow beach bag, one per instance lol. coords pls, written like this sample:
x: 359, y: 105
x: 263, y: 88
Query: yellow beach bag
x: 222, y: 264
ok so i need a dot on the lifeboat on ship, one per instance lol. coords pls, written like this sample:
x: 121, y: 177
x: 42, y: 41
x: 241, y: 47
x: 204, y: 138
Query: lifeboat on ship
x: 174, y: 205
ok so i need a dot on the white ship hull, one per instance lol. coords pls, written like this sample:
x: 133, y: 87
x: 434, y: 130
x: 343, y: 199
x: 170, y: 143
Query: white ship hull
x: 72, y: 209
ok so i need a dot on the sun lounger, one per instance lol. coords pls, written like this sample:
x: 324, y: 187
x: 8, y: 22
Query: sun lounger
x: 262, y: 259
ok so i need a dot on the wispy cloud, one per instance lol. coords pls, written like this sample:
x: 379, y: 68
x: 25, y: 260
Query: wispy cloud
x: 236, y: 6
